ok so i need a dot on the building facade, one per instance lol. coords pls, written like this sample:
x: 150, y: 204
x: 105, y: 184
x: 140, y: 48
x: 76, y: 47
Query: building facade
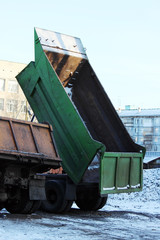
x: 143, y: 126
x: 13, y: 103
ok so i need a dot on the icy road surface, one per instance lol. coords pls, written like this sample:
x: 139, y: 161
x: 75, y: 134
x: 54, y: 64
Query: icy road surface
x: 125, y: 216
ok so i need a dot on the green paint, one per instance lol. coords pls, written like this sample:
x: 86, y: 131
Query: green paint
x: 121, y: 172
x: 50, y: 103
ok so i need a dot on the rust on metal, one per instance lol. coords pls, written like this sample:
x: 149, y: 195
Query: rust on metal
x: 64, y: 65
x: 25, y: 141
x: 35, y: 142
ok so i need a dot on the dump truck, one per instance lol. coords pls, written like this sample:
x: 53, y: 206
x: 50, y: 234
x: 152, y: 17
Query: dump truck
x: 27, y: 150
x: 98, y: 155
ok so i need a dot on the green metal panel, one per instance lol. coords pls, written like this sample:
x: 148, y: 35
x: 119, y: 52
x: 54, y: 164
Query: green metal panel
x: 121, y: 172
x: 84, y: 121
x: 69, y: 61
x: 75, y: 145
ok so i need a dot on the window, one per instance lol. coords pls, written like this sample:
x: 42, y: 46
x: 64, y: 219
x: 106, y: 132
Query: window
x: 136, y: 130
x: 136, y: 121
x: 156, y: 139
x: 12, y: 105
x: 147, y: 131
x: 1, y: 104
x: 12, y: 86
x: 2, y: 84
x: 157, y: 121
x: 156, y: 130
x: 23, y: 107
x: 141, y: 139
x: 155, y: 147
x: 147, y: 122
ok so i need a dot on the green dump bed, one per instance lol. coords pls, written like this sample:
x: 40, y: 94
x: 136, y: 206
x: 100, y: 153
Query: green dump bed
x: 63, y: 89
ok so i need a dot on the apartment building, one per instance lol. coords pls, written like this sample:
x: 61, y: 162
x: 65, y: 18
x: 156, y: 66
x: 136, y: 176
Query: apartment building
x: 13, y: 103
x: 143, y: 126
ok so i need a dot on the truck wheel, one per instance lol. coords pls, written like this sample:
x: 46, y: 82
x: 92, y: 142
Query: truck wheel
x: 103, y: 202
x: 22, y: 205
x: 91, y: 204
x: 35, y: 206
x: 88, y: 204
x: 55, y: 194
x: 68, y: 206
x: 1, y: 206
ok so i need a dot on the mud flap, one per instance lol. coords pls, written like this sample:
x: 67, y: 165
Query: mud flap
x: 37, y: 188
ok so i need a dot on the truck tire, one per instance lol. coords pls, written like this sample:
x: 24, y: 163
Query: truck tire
x: 88, y: 204
x: 1, y: 206
x: 91, y: 204
x: 20, y: 206
x: 35, y: 206
x: 103, y: 202
x: 55, y: 193
x: 68, y: 206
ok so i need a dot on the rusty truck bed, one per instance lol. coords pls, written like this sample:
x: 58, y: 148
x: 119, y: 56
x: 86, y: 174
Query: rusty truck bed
x: 27, y: 142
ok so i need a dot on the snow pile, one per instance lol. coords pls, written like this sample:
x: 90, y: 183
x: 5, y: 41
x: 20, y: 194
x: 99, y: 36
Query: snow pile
x: 147, y: 200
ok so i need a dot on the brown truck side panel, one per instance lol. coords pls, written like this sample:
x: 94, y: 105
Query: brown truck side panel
x: 28, y: 140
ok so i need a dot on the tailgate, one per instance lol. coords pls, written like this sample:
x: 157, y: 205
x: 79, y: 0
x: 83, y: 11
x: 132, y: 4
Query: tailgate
x: 121, y: 172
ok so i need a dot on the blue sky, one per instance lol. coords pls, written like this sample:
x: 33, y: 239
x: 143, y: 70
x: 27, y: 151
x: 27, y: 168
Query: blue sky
x: 122, y: 38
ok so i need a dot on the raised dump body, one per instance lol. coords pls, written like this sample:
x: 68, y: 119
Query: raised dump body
x: 63, y: 89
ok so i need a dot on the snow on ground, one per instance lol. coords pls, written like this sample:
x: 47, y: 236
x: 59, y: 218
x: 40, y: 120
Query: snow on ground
x: 125, y: 216
x: 147, y: 200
